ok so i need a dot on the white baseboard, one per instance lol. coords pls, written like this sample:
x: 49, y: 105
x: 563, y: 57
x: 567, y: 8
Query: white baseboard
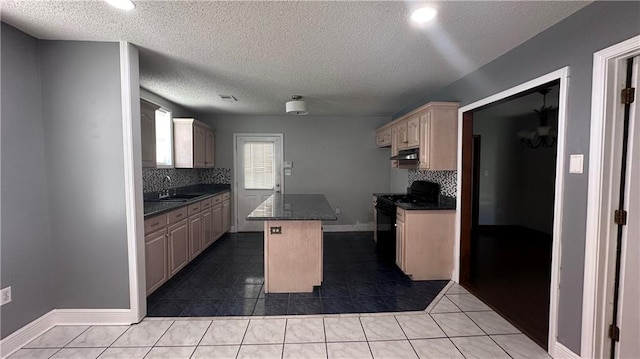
x: 563, y: 352
x: 24, y: 335
x: 358, y: 227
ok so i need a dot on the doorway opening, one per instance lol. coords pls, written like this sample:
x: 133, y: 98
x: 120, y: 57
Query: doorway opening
x: 258, y: 173
x: 510, y: 170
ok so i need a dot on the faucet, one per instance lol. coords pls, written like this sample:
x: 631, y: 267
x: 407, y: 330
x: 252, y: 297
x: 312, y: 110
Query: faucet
x: 165, y: 192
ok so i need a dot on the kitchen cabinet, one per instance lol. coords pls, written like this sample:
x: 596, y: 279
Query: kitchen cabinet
x: 195, y: 235
x: 148, y: 133
x: 394, y: 146
x: 413, y: 132
x: 193, y: 143
x: 424, y: 243
x: 226, y: 212
x: 217, y: 220
x: 383, y: 137
x: 439, y: 137
x: 207, y: 228
x: 155, y: 252
x: 402, y: 135
x: 178, y: 238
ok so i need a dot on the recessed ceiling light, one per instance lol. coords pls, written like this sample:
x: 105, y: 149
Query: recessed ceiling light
x: 122, y: 4
x: 423, y: 15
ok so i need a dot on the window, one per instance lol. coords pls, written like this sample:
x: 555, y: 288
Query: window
x: 164, y: 138
x: 258, y: 165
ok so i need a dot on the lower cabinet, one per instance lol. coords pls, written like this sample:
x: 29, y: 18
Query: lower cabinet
x: 178, y: 237
x: 175, y: 238
x: 155, y: 252
x: 424, y: 243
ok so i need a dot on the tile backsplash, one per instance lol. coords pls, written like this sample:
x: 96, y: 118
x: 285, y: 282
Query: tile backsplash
x: 180, y: 177
x: 446, y: 179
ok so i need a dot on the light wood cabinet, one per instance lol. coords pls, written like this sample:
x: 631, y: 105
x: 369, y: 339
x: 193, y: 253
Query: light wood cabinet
x: 383, y: 137
x: 195, y: 235
x: 439, y: 137
x: 175, y: 238
x: 207, y: 228
x: 148, y: 133
x: 401, y: 132
x: 178, y: 238
x: 433, y: 129
x: 226, y: 215
x: 209, y: 159
x: 424, y: 243
x: 413, y: 132
x: 155, y: 252
x: 193, y: 143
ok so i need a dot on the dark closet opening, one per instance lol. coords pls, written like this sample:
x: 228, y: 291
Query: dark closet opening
x: 507, y: 205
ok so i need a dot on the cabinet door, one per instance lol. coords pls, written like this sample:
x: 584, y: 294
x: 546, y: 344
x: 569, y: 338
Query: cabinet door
x: 195, y: 235
x: 401, y: 128
x: 207, y: 228
x: 383, y: 138
x: 400, y: 245
x: 178, y: 246
x: 226, y: 216
x: 209, y: 157
x: 155, y: 253
x: 148, y: 132
x: 217, y: 220
x: 425, y: 140
x: 413, y: 132
x: 394, y: 146
x: 199, y: 147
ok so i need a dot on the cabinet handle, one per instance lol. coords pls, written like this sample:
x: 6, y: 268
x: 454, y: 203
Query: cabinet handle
x: 179, y: 215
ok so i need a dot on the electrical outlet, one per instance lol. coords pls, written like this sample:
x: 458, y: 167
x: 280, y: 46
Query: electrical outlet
x: 275, y: 230
x: 5, y: 295
x: 337, y: 211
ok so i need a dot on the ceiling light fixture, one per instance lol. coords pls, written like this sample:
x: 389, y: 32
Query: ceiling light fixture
x: 122, y: 4
x: 543, y: 136
x: 297, y: 106
x: 423, y: 15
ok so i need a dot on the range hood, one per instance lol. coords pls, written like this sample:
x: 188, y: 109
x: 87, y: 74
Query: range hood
x: 407, y: 155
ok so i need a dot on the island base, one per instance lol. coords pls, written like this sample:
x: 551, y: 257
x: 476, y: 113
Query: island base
x: 292, y: 256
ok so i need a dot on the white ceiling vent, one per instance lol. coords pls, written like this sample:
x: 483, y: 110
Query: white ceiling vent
x: 228, y: 98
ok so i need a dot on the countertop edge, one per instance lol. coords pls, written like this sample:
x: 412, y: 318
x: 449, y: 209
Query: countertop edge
x: 185, y: 203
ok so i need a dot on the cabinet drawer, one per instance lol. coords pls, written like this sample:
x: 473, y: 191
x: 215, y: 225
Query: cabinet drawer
x: 204, y: 204
x: 178, y: 214
x: 400, y: 214
x: 195, y: 208
x: 226, y: 196
x: 217, y: 199
x: 155, y: 223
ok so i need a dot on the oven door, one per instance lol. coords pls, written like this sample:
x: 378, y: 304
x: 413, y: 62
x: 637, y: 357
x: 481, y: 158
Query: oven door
x: 386, y: 232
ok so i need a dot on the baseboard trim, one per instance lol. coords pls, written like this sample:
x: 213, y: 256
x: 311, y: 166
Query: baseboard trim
x: 37, y: 327
x: 563, y: 352
x: 358, y: 227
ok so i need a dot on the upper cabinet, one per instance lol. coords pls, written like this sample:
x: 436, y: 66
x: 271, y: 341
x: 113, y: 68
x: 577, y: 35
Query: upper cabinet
x: 432, y: 129
x: 148, y: 132
x: 193, y: 143
x: 383, y: 137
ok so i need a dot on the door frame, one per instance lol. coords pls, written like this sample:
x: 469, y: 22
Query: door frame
x: 562, y: 75
x: 599, y: 205
x: 234, y: 219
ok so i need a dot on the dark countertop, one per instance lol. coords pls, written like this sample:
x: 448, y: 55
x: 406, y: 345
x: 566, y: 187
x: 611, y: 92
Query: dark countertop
x: 302, y: 207
x: 152, y: 208
x: 444, y: 203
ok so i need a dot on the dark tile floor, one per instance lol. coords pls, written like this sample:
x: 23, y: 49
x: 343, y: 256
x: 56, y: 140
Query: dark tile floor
x: 227, y: 279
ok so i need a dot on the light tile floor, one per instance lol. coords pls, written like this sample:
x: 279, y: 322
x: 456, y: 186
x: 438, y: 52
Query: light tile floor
x: 455, y: 325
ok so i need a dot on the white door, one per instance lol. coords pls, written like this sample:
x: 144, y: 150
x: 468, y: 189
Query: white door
x: 258, y: 170
x: 629, y: 302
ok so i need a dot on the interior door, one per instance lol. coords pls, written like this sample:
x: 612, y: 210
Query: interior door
x: 629, y: 285
x: 258, y: 175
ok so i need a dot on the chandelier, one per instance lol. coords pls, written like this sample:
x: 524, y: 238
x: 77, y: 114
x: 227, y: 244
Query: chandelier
x: 542, y: 136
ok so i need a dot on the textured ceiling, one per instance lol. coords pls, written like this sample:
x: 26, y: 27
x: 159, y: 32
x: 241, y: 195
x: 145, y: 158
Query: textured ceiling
x: 349, y: 58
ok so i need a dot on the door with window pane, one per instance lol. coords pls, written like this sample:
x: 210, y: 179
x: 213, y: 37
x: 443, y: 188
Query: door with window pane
x: 259, y: 171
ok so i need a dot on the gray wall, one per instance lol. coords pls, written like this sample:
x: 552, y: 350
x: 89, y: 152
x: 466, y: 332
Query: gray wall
x: 82, y: 111
x: 571, y: 42
x: 27, y: 260
x: 335, y: 156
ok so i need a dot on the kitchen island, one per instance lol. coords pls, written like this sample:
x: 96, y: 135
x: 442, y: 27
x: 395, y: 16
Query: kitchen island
x: 293, y: 240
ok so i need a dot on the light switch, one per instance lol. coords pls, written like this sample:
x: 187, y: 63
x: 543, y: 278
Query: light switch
x: 287, y: 164
x: 287, y: 171
x: 576, y: 163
